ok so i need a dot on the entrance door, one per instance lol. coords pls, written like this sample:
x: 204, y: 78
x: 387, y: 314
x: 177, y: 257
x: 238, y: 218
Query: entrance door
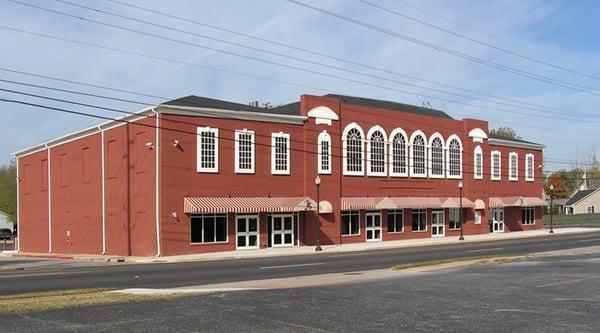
x: 282, y: 230
x: 498, y: 220
x: 373, y: 227
x: 247, y: 232
x: 437, y: 223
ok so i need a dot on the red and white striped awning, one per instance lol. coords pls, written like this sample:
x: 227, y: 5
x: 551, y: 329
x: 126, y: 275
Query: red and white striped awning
x: 359, y: 203
x: 409, y: 202
x: 454, y: 202
x: 248, y: 205
x: 501, y: 202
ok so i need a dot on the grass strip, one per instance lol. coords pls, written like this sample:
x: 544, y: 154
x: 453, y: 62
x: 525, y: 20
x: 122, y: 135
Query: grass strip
x: 467, y: 260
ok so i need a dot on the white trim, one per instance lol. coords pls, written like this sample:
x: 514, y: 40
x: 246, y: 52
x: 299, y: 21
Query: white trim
x: 347, y: 129
x: 412, y: 154
x: 49, y: 204
x: 199, y: 168
x: 102, y: 162
x: 411, y: 215
x: 477, y: 151
x: 323, y: 115
x: 282, y: 232
x: 477, y: 134
x: 510, y: 166
x: 349, y: 213
x: 398, y: 211
x: 430, y: 155
x: 373, y: 228
x: 231, y: 114
x: 237, y: 151
x: 286, y: 136
x: 527, y: 178
x: 395, y: 132
x: 157, y: 189
x: 443, y: 224
x: 532, y: 209
x: 226, y: 241
x: 372, y: 130
x: 492, y: 154
x: 246, y: 217
x: 515, y: 144
x: 460, y: 164
x: 324, y: 137
x: 18, y: 247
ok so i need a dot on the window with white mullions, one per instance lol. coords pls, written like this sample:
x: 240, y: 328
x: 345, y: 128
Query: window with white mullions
x: 418, y: 156
x: 529, y: 167
x: 207, y: 149
x: 419, y: 219
x: 350, y: 223
x: 354, y: 158
x: 436, y: 157
x: 454, y: 157
x: 377, y: 160
x: 208, y: 228
x: 324, y: 153
x: 528, y: 215
x: 454, y: 218
x: 513, y: 166
x: 496, y: 165
x: 395, y: 220
x: 280, y: 154
x: 398, y: 154
x: 244, y: 151
x: 478, y: 163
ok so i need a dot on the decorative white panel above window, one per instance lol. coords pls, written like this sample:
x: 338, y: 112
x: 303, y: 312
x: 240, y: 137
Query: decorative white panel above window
x: 244, y: 151
x: 352, y: 150
x: 418, y: 155
x: 398, y: 153
x: 280, y: 153
x: 496, y: 165
x: 478, y: 163
x: 513, y: 166
x: 436, y: 156
x: 323, y: 115
x: 529, y: 167
x: 324, y: 153
x: 376, y: 152
x: 454, y: 158
x: 207, y: 150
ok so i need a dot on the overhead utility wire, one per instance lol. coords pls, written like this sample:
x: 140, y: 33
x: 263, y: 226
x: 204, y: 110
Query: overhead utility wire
x: 331, y: 57
x: 480, y: 42
x: 523, y: 73
x: 153, y: 24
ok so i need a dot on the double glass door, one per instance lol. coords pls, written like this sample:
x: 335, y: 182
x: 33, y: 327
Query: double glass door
x: 497, y: 220
x: 437, y: 223
x: 282, y: 230
x: 373, y: 227
x: 247, y: 232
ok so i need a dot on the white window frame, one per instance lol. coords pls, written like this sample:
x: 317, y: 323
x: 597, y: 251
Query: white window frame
x: 511, y: 165
x: 199, y: 168
x: 430, y: 156
x: 532, y: 210
x: 392, y: 159
x: 589, y: 209
x: 274, y: 137
x: 324, y: 137
x: 499, y: 154
x: 460, y: 161
x: 345, y: 170
x: 477, y: 152
x: 395, y: 212
x: 349, y: 213
x: 372, y: 131
x: 477, y: 217
x: 411, y: 217
x: 412, y: 154
x: 454, y: 213
x: 529, y: 165
x: 202, y: 216
x: 237, y: 151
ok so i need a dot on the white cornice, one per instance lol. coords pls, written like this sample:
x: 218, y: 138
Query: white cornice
x: 515, y: 144
x: 231, y: 114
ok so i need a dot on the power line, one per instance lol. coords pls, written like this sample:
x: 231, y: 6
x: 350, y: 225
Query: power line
x: 455, y: 53
x: 513, y: 53
x: 331, y: 57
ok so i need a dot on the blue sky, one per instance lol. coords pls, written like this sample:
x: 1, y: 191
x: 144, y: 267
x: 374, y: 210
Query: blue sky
x: 559, y: 32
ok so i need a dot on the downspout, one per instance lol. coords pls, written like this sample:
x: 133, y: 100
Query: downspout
x: 157, y: 188
x: 18, y: 180
x: 128, y: 190
x: 103, y: 191
x: 49, y: 201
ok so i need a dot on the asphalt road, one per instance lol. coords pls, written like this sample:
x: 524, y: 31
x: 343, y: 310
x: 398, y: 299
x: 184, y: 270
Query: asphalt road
x: 163, y: 275
x: 542, y: 295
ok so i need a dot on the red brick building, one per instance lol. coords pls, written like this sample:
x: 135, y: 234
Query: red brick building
x: 198, y: 175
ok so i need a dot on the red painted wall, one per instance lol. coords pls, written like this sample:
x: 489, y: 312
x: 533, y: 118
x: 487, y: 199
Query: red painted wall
x: 33, y: 202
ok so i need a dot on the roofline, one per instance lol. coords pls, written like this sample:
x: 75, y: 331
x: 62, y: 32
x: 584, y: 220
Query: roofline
x: 576, y: 202
x: 85, y: 132
x: 232, y: 114
x: 515, y: 144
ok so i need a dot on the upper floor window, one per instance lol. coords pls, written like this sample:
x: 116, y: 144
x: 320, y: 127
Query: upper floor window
x: 418, y: 155
x: 376, y: 162
x: 324, y: 153
x: 436, y: 157
x: 280, y: 153
x: 353, y: 150
x: 478, y: 163
x: 454, y: 157
x: 513, y: 166
x: 529, y: 167
x: 398, y: 153
x: 496, y: 165
x: 244, y: 151
x: 207, y: 149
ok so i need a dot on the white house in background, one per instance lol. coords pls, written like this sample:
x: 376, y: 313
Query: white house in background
x: 583, y: 202
x: 5, y: 222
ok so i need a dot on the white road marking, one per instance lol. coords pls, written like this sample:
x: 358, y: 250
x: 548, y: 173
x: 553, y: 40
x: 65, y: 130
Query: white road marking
x: 484, y: 250
x: 297, y: 265
x: 587, y: 240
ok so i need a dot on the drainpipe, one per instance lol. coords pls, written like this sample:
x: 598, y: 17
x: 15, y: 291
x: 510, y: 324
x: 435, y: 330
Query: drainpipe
x: 156, y: 180
x: 103, y: 190
x: 49, y: 200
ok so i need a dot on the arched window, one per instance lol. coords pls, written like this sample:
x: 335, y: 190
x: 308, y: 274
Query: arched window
x: 324, y: 153
x: 454, y: 157
x: 436, y: 157
x: 478, y: 163
x: 376, y: 159
x: 353, y: 150
x: 418, y: 153
x: 398, y: 153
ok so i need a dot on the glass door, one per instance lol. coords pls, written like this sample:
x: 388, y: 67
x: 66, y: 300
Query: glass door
x: 247, y: 232
x: 498, y: 220
x: 437, y: 223
x: 373, y: 227
x: 282, y: 230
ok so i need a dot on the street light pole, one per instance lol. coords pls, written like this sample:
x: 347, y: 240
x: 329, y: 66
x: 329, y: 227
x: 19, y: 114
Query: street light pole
x: 551, y: 210
x: 460, y: 212
x: 318, y: 184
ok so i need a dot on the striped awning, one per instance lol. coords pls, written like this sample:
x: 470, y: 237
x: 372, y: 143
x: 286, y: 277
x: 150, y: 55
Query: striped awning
x: 455, y: 202
x: 501, y: 202
x: 479, y: 204
x: 248, y: 205
x: 353, y: 203
x: 409, y: 202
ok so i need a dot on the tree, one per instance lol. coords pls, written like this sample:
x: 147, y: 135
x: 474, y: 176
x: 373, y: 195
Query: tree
x: 505, y: 132
x: 8, y: 191
x: 561, y: 189
x: 573, y: 178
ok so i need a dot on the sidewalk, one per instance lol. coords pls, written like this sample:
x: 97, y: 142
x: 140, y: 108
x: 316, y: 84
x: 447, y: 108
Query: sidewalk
x: 305, y: 250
